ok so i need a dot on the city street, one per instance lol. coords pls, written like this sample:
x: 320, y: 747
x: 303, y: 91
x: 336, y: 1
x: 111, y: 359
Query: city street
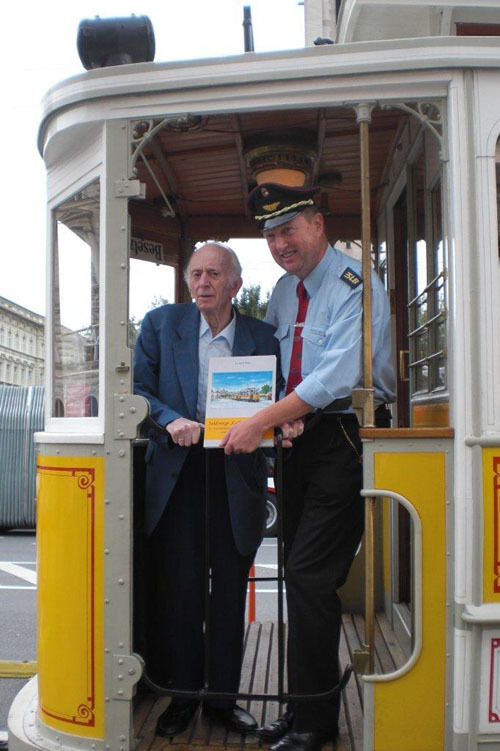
x: 17, y: 609
x: 18, y: 603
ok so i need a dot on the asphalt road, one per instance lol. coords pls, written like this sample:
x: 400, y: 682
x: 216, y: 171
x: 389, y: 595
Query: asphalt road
x: 17, y: 609
x: 18, y: 603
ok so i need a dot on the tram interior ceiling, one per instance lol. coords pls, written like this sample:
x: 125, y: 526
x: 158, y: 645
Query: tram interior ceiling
x: 201, y: 169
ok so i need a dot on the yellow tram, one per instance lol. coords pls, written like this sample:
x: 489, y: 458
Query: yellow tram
x: 399, y: 123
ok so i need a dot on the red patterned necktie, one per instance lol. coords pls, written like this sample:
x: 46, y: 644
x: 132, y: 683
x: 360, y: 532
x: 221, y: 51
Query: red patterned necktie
x: 295, y: 372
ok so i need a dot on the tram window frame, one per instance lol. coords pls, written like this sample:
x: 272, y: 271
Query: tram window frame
x: 497, y: 180
x: 427, y: 304
x: 75, y: 346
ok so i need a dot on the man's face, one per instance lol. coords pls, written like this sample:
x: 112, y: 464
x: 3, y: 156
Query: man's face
x: 210, y: 282
x: 298, y: 245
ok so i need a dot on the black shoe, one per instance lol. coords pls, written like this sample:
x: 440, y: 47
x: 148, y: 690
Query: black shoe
x: 312, y: 741
x: 175, y: 718
x: 235, y: 718
x: 273, y: 731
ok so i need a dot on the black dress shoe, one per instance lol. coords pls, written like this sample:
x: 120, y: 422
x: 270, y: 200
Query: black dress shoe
x: 175, y: 718
x: 235, y: 718
x: 273, y: 731
x: 312, y: 741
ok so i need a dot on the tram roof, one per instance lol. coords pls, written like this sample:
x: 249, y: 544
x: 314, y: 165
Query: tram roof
x: 203, y: 170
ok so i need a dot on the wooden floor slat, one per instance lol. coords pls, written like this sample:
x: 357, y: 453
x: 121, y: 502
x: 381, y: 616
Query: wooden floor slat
x: 260, y: 675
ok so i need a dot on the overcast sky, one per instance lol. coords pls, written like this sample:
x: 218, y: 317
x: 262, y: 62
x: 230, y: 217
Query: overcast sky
x: 38, y: 50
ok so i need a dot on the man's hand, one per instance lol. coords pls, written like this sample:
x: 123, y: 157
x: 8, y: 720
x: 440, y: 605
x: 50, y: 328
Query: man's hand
x: 245, y: 436
x: 184, y: 432
x: 242, y: 438
x: 291, y: 430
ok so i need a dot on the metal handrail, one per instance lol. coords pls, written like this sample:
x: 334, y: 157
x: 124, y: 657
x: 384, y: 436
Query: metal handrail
x: 370, y: 495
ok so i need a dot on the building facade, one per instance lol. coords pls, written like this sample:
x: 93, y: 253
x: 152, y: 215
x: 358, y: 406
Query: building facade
x: 21, y: 345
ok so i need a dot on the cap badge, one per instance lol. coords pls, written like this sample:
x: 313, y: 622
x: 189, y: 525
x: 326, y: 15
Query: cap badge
x: 271, y: 206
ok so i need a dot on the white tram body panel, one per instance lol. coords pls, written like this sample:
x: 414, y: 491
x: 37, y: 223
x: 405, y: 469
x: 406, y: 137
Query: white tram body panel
x: 444, y: 88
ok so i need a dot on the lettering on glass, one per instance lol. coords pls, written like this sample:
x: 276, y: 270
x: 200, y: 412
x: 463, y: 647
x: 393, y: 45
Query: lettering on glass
x: 146, y: 250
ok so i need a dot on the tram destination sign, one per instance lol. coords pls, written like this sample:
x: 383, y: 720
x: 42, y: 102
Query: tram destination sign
x: 146, y: 250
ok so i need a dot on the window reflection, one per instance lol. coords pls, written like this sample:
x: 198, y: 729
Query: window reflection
x: 76, y: 305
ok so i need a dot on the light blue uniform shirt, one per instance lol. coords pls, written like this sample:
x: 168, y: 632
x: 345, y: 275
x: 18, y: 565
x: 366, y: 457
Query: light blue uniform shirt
x: 332, y: 347
x: 208, y: 346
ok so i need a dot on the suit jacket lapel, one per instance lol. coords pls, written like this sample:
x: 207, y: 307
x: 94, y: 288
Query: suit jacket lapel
x: 244, y: 343
x: 186, y: 357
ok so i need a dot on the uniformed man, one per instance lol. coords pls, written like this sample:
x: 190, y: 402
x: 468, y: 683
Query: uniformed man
x: 316, y: 308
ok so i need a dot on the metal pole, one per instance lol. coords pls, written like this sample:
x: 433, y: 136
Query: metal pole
x: 370, y: 581
x: 248, y: 29
x: 363, y: 112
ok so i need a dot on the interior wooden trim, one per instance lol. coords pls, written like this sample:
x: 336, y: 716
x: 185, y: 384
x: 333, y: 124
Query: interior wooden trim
x: 374, y: 433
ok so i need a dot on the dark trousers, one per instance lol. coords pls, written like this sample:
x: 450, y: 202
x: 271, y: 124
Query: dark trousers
x: 177, y: 615
x: 323, y: 522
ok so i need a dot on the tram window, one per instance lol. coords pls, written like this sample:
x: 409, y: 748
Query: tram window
x: 76, y: 305
x: 427, y: 292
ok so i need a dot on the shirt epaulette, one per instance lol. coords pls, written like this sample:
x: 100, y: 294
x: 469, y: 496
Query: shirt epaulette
x: 350, y: 277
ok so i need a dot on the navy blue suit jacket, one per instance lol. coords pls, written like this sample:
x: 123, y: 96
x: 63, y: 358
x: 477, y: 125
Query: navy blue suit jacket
x: 166, y: 374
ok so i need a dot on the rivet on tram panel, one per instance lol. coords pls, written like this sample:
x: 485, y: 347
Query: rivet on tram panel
x: 94, y: 453
x: 121, y: 645
x: 106, y: 551
x: 106, y: 601
x: 107, y: 501
x: 132, y: 410
x: 120, y: 677
x: 120, y: 661
x: 121, y: 452
x: 121, y: 517
x: 123, y: 738
x: 131, y: 671
x: 120, y: 692
x: 122, y: 398
x: 93, y: 746
x: 123, y: 265
x: 106, y: 649
x: 121, y: 581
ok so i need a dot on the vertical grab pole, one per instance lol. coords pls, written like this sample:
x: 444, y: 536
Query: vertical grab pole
x: 206, y: 662
x: 363, y: 399
x: 281, y: 628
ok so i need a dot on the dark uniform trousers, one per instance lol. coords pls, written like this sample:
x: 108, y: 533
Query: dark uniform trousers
x: 323, y: 522
x: 176, y: 623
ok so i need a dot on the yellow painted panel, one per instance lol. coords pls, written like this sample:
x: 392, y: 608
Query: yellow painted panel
x: 70, y: 531
x: 409, y: 712
x: 491, y: 525
x: 431, y: 415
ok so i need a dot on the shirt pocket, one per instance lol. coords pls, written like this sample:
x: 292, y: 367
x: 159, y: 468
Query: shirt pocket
x: 282, y: 332
x: 314, y: 335
x: 313, y: 344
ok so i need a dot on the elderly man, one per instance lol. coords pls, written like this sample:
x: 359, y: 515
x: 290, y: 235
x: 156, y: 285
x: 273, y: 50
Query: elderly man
x: 317, y: 310
x: 170, y: 370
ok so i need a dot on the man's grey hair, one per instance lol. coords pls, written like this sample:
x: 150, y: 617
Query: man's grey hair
x: 234, y: 264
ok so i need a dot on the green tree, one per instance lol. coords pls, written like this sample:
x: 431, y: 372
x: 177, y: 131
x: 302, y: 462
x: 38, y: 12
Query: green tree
x: 134, y: 324
x: 249, y: 302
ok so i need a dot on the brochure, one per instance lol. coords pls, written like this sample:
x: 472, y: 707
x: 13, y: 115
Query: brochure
x: 238, y: 387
